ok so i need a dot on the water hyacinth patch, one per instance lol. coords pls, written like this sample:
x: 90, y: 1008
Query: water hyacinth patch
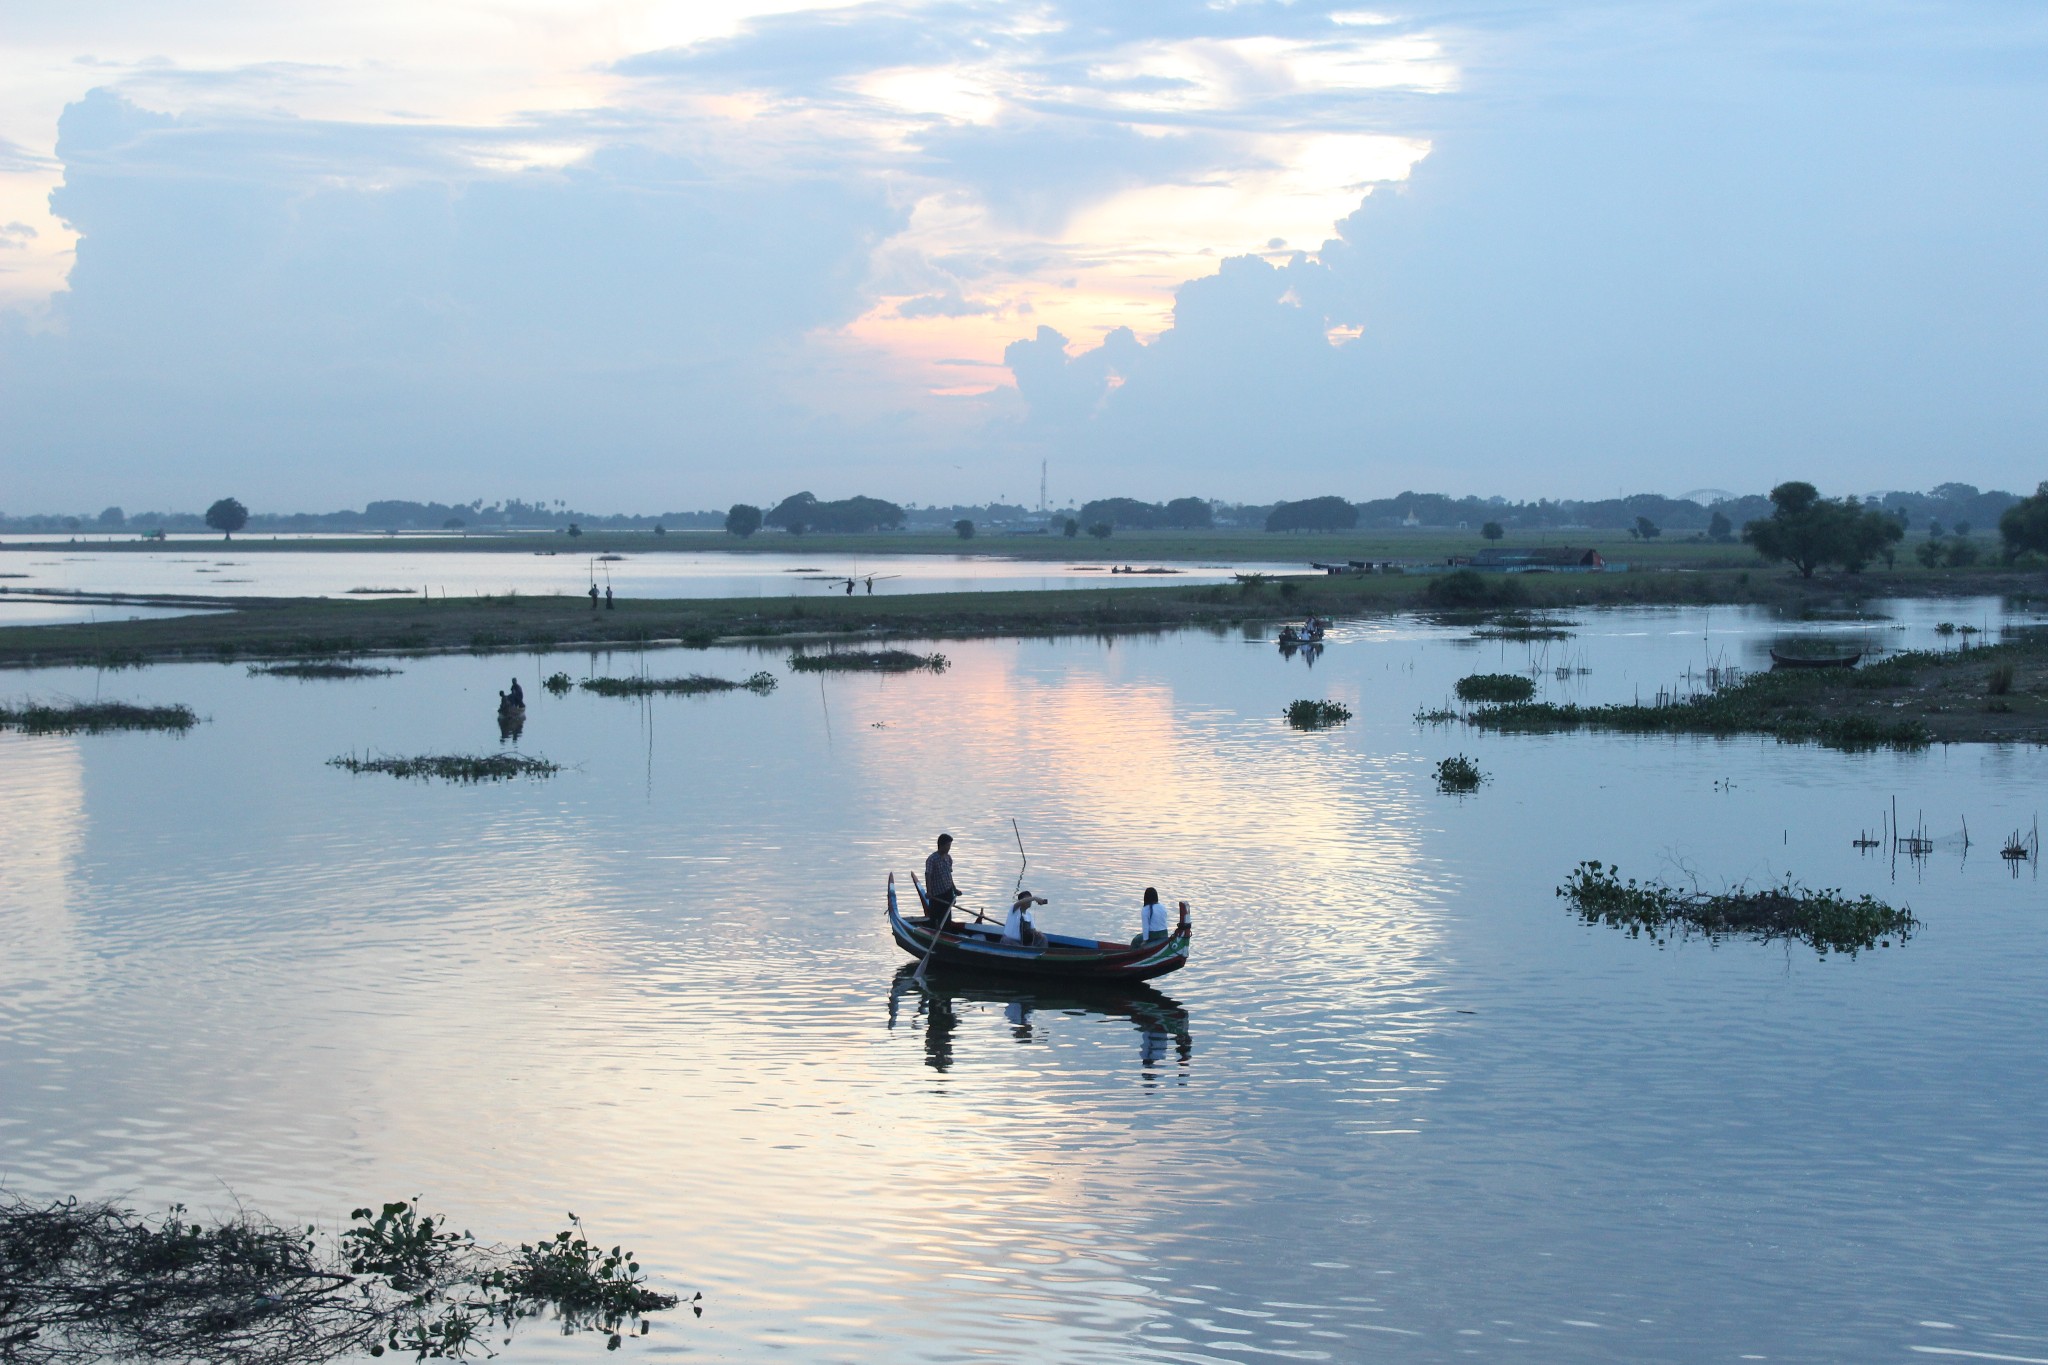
x: 1308, y: 714
x: 1495, y: 687
x: 1826, y: 920
x: 695, y: 685
x: 319, y: 669
x: 874, y: 661
x: 1458, y: 774
x: 95, y: 717
x: 452, y: 767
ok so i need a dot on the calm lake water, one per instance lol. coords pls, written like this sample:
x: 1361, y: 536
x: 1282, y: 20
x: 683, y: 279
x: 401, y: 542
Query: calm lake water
x: 235, y: 569
x: 1401, y: 1106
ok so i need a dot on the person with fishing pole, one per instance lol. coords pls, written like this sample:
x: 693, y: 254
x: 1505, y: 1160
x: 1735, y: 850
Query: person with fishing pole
x: 939, y: 890
x: 1019, y: 927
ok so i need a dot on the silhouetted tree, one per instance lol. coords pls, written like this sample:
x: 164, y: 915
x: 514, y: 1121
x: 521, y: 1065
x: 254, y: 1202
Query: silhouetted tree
x: 227, y: 517
x: 1492, y: 530
x: 1720, y: 529
x: 2024, y: 525
x: 964, y: 529
x: 1189, y: 514
x: 1100, y: 530
x: 1647, y: 529
x: 1807, y: 530
x: 742, y: 520
x: 113, y: 519
x: 1071, y: 529
x: 1313, y: 514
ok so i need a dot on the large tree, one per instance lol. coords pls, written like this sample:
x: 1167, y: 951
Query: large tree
x: 1802, y: 531
x: 1807, y: 530
x: 742, y: 520
x: 227, y: 517
x: 1313, y: 514
x: 2024, y: 525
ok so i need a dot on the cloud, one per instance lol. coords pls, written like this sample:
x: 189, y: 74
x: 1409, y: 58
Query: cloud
x: 950, y: 304
x: 364, y: 293
x: 1818, y: 269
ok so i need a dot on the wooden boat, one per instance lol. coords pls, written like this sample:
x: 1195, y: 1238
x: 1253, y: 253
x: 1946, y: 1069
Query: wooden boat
x: 979, y: 947
x: 1809, y: 661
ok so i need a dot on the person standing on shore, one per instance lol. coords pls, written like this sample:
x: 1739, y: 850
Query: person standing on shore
x: 608, y: 598
x: 593, y: 597
x: 939, y: 890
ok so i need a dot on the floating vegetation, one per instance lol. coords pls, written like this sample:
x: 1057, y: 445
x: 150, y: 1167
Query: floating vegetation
x: 558, y: 683
x: 1825, y: 920
x: 1495, y: 687
x: 93, y: 717
x: 1434, y: 715
x: 319, y: 669
x: 874, y: 661
x: 379, y: 592
x: 96, y: 1281
x: 1761, y: 704
x: 1316, y: 715
x: 452, y: 767
x: 1519, y: 626
x: 1458, y: 775
x: 694, y: 685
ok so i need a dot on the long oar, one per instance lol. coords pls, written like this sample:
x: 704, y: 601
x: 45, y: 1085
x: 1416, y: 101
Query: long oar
x: 937, y: 929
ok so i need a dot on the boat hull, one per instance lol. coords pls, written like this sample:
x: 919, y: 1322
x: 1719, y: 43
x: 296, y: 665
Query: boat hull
x: 1799, y: 661
x: 1059, y: 959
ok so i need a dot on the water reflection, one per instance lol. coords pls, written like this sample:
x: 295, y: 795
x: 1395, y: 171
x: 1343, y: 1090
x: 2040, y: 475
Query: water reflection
x: 1030, y: 1011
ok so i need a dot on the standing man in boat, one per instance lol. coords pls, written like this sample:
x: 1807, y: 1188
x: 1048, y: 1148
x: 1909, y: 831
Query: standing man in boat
x: 939, y: 890
x: 515, y: 697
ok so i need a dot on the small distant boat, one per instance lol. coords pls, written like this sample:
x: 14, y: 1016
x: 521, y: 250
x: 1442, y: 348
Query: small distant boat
x: 980, y: 947
x: 1815, y: 661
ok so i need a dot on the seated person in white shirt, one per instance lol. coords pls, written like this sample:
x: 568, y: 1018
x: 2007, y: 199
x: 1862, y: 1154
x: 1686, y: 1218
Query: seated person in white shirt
x: 1018, y: 927
x: 1151, y: 917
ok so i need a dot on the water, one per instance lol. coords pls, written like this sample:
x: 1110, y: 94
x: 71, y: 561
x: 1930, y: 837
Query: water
x: 258, y: 569
x: 1401, y: 1105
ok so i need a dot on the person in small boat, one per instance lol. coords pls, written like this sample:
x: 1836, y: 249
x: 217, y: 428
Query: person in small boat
x: 1151, y: 917
x: 939, y: 890
x: 513, y: 698
x: 1019, y: 927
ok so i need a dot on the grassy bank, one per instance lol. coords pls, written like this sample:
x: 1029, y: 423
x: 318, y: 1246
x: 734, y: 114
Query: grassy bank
x: 310, y: 628
x: 1997, y: 694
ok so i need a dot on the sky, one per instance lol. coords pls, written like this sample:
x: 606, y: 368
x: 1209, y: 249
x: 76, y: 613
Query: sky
x: 641, y: 255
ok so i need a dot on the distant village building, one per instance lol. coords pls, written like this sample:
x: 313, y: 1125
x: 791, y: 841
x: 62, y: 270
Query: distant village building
x: 1533, y: 559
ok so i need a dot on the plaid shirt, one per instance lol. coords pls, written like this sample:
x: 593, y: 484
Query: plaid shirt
x: 938, y: 875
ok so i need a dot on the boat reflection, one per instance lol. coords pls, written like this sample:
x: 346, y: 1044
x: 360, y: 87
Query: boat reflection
x: 1161, y: 1021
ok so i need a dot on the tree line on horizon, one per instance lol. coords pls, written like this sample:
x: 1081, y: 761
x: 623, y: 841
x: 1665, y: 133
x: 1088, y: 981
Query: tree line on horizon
x: 1945, y: 508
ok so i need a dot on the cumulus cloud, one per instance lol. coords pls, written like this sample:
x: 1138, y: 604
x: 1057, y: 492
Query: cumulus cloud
x: 1818, y: 267
x: 265, y: 289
